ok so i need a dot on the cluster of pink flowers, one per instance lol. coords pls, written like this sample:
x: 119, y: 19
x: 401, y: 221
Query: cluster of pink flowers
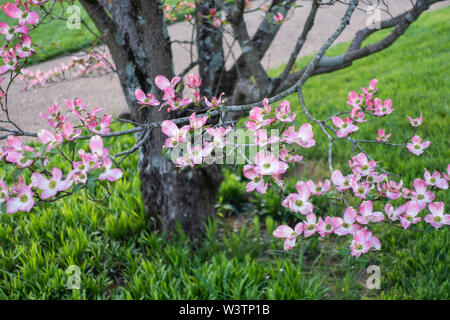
x: 366, y: 183
x: 44, y: 185
x: 181, y: 7
x: 65, y: 129
x: 356, y: 225
x: 10, y: 53
x: 365, y: 104
x: 94, y: 64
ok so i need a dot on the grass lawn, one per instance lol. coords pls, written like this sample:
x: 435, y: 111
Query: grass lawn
x: 239, y: 259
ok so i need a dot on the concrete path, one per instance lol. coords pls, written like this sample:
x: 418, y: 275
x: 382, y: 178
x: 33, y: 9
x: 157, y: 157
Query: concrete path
x: 105, y: 91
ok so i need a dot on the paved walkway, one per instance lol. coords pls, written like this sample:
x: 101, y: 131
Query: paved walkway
x: 105, y: 91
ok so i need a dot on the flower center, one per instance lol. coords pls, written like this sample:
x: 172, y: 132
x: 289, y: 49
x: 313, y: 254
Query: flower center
x: 52, y: 184
x: 24, y: 198
x: 299, y: 203
x: 311, y: 227
x: 409, y: 218
x: 420, y: 197
x: 437, y: 219
x: 266, y: 165
x: 346, y: 225
x: 358, y: 246
x: 417, y: 147
x: 328, y: 227
x: 360, y: 190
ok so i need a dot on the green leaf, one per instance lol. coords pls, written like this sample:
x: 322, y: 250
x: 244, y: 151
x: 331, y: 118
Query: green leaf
x: 16, y: 173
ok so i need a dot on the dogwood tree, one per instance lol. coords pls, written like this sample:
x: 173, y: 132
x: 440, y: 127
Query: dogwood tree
x: 167, y: 110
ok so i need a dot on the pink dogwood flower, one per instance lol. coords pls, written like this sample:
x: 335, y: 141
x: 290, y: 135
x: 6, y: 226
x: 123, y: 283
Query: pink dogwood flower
x: 283, y: 113
x: 109, y: 173
x: 215, y: 102
x: 340, y: 182
x: 197, y: 123
x: 360, y: 164
x: 219, y: 135
x: 50, y: 187
x: 437, y: 218
x: 97, y: 149
x: 24, y: 16
x: 9, y: 60
x: 261, y: 139
x: 310, y: 225
x: 382, y: 136
x: 102, y: 127
x: 304, y: 136
x: 361, y: 190
x: 68, y: 131
x: 348, y: 225
x: 77, y: 106
x: 176, y: 136
x: 328, y: 225
x: 23, y: 201
x: 382, y: 109
x: 268, y: 164
x: 11, y: 31
x: 319, y: 188
x: 24, y: 49
x: 412, y: 208
x: 357, y: 115
x: 354, y: 99
x: 285, y: 156
x: 167, y: 86
x: 417, y: 146
x: 47, y: 137
x: 421, y: 194
x: 52, y: 117
x: 345, y: 126
x: 256, y: 119
x: 367, y: 215
x: 415, y: 122
x: 372, y: 88
x: 257, y: 182
x: 435, y: 180
x: 286, y: 232
x: 362, y: 242
x: 194, y: 81
x: 298, y: 202
x: 145, y: 100
x: 392, y: 213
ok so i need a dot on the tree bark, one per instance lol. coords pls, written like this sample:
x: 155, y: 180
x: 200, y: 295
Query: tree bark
x: 136, y: 35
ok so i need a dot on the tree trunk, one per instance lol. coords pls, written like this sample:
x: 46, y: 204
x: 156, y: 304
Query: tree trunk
x: 136, y: 35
